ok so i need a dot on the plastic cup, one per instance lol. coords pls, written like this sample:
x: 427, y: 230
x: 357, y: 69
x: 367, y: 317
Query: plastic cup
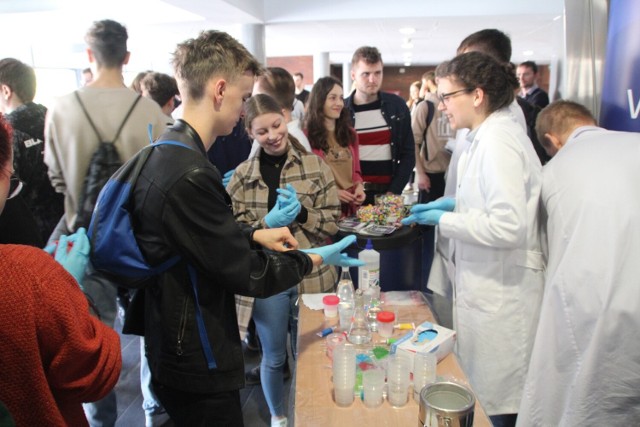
x: 345, y: 311
x: 344, y: 373
x: 397, y: 381
x: 344, y: 366
x: 330, y: 305
x: 373, y: 387
x: 424, y: 372
x: 332, y: 341
x: 386, y: 320
x: 397, y: 395
x: 343, y: 396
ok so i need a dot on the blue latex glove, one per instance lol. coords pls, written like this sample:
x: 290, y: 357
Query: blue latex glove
x: 331, y: 254
x: 281, y: 216
x: 428, y: 217
x: 227, y: 177
x: 288, y: 196
x: 73, y: 260
x: 447, y: 204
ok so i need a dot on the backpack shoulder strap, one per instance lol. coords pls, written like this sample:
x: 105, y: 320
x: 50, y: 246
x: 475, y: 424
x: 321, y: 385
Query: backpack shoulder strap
x: 93, y: 126
x: 170, y: 142
x: 126, y: 118
x: 143, y: 155
x: 86, y: 113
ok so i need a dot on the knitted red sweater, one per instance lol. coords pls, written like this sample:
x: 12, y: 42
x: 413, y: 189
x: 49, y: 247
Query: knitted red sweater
x: 53, y: 354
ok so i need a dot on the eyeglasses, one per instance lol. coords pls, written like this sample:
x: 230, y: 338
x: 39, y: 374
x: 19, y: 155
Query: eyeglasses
x: 15, y: 186
x: 445, y: 96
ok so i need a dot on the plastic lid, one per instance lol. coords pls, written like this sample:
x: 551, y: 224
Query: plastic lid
x: 331, y: 300
x: 386, y: 316
x: 369, y: 245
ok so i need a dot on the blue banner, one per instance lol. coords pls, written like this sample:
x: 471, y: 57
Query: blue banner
x: 620, y: 108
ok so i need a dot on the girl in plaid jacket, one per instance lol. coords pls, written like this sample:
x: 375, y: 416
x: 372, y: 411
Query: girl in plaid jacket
x: 282, y: 173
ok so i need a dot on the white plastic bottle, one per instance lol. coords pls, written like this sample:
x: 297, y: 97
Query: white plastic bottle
x: 369, y: 274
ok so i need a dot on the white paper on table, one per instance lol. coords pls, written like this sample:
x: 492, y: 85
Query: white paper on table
x: 314, y: 301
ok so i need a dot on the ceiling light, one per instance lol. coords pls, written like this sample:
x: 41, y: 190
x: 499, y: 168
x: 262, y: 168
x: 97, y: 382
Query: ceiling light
x: 407, y: 64
x: 407, y: 31
x: 527, y: 53
x: 406, y: 44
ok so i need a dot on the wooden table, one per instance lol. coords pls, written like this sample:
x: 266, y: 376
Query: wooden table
x: 314, y: 404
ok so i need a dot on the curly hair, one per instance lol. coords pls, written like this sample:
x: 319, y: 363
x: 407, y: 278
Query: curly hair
x: 479, y: 70
x: 315, y: 117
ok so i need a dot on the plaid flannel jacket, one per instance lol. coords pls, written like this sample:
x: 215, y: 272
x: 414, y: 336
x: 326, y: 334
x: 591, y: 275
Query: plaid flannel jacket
x: 317, y: 192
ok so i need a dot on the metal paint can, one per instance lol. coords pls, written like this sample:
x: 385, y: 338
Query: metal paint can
x: 446, y: 404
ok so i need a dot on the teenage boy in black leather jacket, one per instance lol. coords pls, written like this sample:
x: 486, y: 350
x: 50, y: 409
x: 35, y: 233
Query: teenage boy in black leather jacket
x: 180, y: 207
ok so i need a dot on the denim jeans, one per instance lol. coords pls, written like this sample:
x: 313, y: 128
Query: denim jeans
x: 272, y: 317
x: 150, y: 403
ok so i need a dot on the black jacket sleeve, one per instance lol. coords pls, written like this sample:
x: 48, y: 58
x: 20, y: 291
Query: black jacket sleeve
x: 201, y: 227
x: 399, y: 118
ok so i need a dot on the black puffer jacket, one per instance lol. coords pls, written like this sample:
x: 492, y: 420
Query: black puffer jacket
x: 180, y: 207
x: 46, y: 205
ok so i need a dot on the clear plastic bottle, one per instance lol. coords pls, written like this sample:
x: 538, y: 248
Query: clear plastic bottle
x: 345, y: 286
x: 369, y: 274
x: 345, y: 293
x: 359, y: 331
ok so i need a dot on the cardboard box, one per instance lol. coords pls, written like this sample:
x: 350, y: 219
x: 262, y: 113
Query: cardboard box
x: 426, y: 338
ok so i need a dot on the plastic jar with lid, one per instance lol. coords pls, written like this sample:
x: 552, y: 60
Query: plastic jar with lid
x: 386, y: 319
x: 330, y: 305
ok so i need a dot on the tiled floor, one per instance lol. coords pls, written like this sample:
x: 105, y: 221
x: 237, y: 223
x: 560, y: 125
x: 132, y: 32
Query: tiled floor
x: 130, y: 413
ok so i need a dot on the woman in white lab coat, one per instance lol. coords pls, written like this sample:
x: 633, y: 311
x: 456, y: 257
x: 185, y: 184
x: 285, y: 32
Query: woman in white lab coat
x: 494, y: 231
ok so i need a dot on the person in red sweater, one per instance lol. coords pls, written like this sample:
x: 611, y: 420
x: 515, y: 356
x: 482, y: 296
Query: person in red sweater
x: 54, y: 355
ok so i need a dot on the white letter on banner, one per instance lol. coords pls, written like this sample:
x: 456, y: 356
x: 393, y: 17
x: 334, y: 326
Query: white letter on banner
x: 633, y: 113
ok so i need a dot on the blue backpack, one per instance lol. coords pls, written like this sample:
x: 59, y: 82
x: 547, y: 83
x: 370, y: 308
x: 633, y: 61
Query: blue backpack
x: 114, y: 249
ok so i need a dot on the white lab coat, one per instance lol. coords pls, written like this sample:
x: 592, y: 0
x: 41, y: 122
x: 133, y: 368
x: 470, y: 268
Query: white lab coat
x: 585, y: 365
x: 499, y: 268
x: 439, y: 280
